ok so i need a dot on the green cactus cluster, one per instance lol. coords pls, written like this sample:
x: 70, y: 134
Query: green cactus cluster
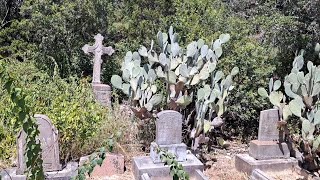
x: 211, y: 101
x: 138, y: 83
x: 301, y: 99
x: 185, y: 71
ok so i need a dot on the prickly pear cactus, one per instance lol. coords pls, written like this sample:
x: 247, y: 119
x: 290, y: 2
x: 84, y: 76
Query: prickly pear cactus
x: 210, y: 102
x: 186, y: 73
x: 138, y: 82
x: 301, y: 99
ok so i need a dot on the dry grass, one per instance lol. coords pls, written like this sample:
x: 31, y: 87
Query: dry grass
x: 224, y: 169
x: 288, y: 175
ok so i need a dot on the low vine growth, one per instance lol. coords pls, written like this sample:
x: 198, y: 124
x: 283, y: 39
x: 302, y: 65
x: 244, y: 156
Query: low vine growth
x: 176, y: 169
x: 26, y: 119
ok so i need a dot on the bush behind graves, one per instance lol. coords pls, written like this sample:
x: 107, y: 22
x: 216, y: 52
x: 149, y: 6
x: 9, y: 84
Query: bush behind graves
x: 68, y: 103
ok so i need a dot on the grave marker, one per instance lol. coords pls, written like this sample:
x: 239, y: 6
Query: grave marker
x: 48, y: 138
x: 98, y: 50
x: 169, y: 128
x: 268, y: 125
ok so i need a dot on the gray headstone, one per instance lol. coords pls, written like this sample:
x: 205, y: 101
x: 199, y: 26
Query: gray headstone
x: 268, y: 125
x: 98, y: 50
x: 169, y: 128
x: 48, y: 138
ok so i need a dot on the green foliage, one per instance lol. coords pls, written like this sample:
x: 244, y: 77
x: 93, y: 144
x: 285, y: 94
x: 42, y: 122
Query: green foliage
x: 68, y: 103
x: 185, y: 73
x: 264, y: 37
x: 176, y: 169
x: 24, y: 117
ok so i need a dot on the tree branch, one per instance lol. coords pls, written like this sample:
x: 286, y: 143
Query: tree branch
x: 2, y: 22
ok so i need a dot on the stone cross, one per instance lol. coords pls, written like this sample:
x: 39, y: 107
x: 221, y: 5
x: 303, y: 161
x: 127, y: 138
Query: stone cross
x: 48, y: 138
x: 98, y: 50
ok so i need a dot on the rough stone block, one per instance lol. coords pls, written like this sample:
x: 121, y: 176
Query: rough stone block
x: 102, y: 94
x: 111, y: 165
x: 179, y: 150
x: 268, y: 150
x: 247, y: 164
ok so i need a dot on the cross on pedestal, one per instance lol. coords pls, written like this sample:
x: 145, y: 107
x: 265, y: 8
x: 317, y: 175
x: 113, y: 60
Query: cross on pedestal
x: 98, y: 50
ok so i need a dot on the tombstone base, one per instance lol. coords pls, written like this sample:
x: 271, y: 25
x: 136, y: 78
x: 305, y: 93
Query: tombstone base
x: 198, y: 175
x: 66, y: 174
x: 247, y: 164
x: 268, y: 150
x: 102, y: 93
x: 144, y: 165
x: 179, y: 150
x: 257, y: 174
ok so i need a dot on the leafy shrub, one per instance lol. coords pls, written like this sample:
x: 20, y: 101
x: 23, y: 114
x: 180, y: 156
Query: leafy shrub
x: 68, y: 103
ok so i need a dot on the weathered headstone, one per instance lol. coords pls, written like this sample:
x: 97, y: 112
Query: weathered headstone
x: 98, y: 50
x: 168, y: 128
x: 102, y: 92
x: 269, y: 152
x: 168, y: 136
x: 268, y: 125
x: 268, y: 145
x: 48, y: 138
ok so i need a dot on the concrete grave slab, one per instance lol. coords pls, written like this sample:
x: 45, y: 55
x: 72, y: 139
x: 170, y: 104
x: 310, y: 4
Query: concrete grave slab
x: 246, y: 163
x: 111, y: 165
x: 179, y: 150
x: 144, y: 164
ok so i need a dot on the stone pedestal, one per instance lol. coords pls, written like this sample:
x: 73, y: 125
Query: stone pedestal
x: 102, y: 94
x: 179, y: 150
x: 246, y: 163
x: 268, y: 150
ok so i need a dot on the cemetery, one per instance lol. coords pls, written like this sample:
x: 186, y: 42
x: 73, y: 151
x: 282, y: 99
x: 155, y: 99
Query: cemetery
x: 159, y: 90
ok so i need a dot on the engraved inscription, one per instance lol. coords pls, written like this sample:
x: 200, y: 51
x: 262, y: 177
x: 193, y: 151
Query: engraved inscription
x: 169, y: 128
x: 268, y: 130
